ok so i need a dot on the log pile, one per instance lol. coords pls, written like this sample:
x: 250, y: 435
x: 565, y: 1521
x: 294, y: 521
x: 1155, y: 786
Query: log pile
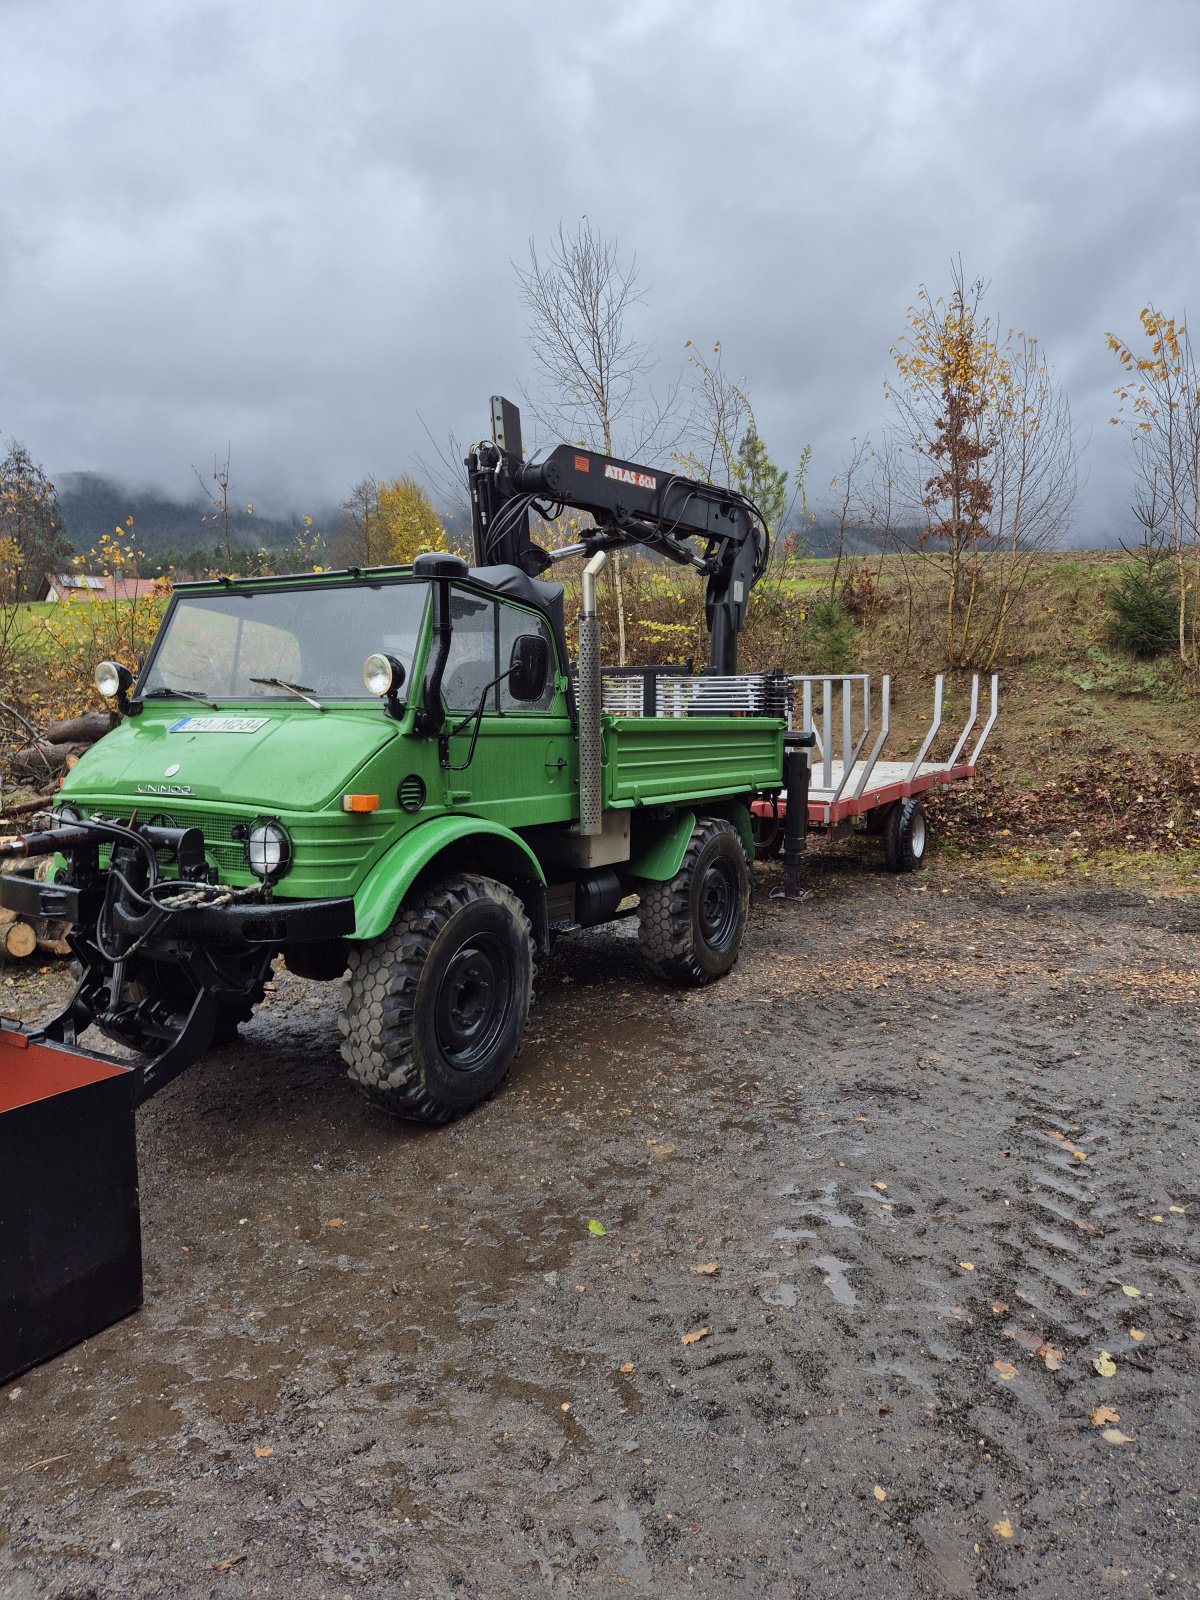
x: 42, y: 761
x: 40, y: 765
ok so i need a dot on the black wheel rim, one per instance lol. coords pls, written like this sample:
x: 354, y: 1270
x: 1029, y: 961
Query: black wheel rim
x: 473, y: 1002
x: 718, y: 903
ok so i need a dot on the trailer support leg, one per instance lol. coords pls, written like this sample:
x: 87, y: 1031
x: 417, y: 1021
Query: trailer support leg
x: 795, y: 827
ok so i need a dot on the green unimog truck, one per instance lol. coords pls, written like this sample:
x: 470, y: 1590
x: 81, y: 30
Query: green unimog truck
x: 398, y: 779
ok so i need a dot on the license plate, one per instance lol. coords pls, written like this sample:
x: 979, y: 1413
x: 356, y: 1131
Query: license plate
x: 218, y: 724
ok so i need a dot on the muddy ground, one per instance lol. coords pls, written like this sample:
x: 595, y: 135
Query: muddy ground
x: 925, y: 1131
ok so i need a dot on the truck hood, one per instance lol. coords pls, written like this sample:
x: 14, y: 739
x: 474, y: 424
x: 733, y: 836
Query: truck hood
x: 275, y: 758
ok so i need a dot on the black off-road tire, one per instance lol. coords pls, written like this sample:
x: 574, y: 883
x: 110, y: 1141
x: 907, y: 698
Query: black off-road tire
x: 692, y: 926
x: 434, y: 1011
x: 905, y: 835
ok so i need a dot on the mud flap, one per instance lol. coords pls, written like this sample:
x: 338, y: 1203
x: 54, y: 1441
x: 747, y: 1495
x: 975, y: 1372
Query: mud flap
x: 70, y: 1228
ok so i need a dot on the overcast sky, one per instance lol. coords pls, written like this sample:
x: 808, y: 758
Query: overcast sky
x: 289, y: 223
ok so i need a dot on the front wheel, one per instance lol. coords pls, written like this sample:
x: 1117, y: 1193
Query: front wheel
x: 904, y: 836
x: 434, y: 1011
x: 692, y: 926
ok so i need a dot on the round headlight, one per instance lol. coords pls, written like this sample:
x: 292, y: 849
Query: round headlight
x: 269, y: 850
x: 108, y: 678
x: 382, y: 674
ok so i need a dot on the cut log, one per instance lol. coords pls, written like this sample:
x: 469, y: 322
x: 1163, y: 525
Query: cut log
x: 6, y: 917
x: 37, y: 761
x: 25, y: 808
x: 19, y: 941
x: 54, y: 947
x: 87, y: 729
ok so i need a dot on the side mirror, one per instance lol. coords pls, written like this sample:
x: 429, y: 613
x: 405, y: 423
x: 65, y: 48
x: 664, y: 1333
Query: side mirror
x: 528, y: 667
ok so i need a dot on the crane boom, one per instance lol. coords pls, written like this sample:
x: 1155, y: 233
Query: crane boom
x: 717, y: 531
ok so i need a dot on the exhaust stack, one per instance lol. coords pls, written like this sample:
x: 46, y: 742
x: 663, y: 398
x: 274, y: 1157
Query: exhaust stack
x: 587, y: 695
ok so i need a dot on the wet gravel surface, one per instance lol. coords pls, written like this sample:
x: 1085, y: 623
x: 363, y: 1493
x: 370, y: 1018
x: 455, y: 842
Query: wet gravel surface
x: 895, y: 1178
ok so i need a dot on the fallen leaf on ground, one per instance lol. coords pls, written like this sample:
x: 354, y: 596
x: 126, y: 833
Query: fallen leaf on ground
x: 1134, y: 1294
x: 1006, y: 1370
x: 1061, y: 1137
x: 999, y: 1307
x: 261, y: 1450
x: 880, y: 1186
x: 334, y: 1222
x: 1115, y: 1436
x: 1178, y: 1210
x: 627, y: 1366
x: 967, y: 1266
x: 696, y: 1333
x: 880, y: 1494
x: 1003, y: 1528
x: 1156, y: 1218
x: 708, y: 1268
x: 1136, y: 1335
x: 1104, y: 1414
x: 1051, y: 1356
x: 1085, y: 1227
x: 228, y: 1564
x: 566, y: 1406
x: 597, y: 1228
x: 1105, y: 1365
x: 1080, y: 1155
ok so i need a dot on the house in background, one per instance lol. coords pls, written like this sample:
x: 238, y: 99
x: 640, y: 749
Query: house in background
x: 76, y: 586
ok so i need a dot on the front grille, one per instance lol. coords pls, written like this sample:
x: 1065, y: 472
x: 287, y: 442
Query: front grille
x: 227, y: 853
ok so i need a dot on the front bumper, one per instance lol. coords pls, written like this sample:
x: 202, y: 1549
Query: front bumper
x: 268, y: 923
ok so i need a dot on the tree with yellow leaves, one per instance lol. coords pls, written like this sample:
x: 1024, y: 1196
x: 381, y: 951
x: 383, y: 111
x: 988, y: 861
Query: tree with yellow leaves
x: 1159, y: 401
x: 988, y: 459
x: 406, y: 520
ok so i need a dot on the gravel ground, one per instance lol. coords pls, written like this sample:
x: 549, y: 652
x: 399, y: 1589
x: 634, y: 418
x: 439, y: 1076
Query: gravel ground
x: 874, y: 1206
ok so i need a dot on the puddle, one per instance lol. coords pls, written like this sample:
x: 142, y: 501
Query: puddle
x: 780, y: 1294
x: 794, y: 1233
x: 836, y: 1281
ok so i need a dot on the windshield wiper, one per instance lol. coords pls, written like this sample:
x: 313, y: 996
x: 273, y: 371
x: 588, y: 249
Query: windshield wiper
x: 163, y: 693
x: 296, y: 688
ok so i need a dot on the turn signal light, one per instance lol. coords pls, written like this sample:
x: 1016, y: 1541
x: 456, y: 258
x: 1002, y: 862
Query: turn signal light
x: 360, y: 802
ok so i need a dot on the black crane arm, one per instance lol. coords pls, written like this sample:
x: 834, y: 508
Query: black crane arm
x: 717, y: 531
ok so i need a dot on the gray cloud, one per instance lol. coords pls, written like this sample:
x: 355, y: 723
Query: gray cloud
x: 290, y: 224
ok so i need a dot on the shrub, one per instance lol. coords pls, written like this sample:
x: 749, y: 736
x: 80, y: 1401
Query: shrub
x: 1144, y: 617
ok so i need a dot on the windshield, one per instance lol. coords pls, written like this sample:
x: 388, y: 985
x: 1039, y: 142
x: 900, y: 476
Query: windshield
x: 316, y: 638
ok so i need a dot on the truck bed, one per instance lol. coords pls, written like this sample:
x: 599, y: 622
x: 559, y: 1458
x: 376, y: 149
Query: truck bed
x: 673, y: 760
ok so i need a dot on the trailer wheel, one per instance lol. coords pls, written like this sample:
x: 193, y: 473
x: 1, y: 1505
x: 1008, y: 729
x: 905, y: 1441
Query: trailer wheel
x: 692, y: 926
x: 768, y: 835
x: 433, y: 1012
x: 904, y: 835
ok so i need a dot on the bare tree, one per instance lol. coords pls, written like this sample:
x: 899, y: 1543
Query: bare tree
x: 1160, y: 397
x: 218, y: 499
x: 359, y: 539
x: 591, y: 370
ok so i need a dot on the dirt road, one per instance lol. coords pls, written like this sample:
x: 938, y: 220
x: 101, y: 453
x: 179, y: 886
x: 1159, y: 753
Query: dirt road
x: 900, y: 1182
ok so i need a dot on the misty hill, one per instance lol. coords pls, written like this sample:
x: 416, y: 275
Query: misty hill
x: 166, y: 529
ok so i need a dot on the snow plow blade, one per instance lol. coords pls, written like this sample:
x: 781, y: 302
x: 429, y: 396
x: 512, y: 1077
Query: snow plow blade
x: 70, y: 1229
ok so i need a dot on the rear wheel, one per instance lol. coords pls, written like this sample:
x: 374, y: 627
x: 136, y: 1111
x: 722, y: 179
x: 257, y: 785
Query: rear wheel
x: 692, y: 926
x: 434, y: 1011
x: 904, y: 836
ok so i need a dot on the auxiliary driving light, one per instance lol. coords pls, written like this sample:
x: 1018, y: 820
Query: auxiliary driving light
x: 269, y: 850
x: 382, y: 674
x: 111, y: 678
